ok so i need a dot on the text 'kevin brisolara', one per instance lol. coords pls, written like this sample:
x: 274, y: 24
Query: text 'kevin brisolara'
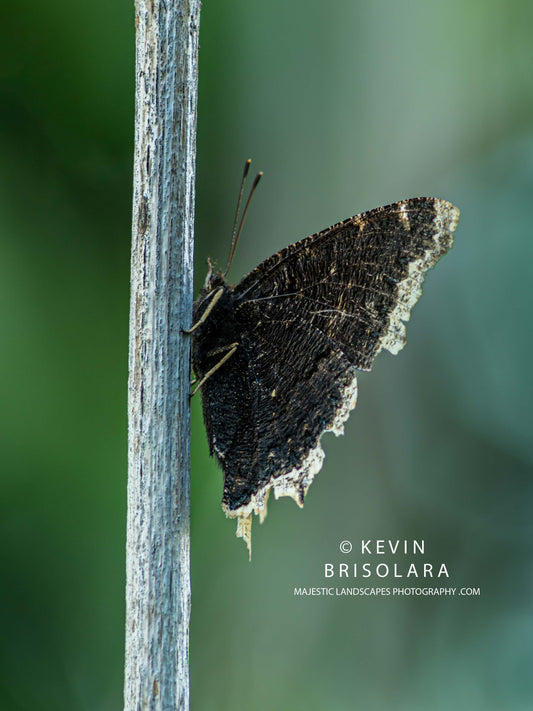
x: 386, y: 592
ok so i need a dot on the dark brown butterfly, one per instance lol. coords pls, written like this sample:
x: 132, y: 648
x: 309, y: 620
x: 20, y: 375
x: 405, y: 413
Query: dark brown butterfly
x: 277, y: 355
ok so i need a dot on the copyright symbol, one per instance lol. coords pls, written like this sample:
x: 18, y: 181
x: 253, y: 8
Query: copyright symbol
x: 345, y: 547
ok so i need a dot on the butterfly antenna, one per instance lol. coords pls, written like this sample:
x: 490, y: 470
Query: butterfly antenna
x: 235, y: 239
x: 232, y: 247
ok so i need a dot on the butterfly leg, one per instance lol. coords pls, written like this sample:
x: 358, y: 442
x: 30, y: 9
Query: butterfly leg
x: 216, y: 296
x: 233, y: 347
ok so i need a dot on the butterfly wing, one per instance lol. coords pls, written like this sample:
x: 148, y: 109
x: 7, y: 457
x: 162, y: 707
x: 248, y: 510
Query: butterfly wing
x: 308, y: 318
x: 358, y: 280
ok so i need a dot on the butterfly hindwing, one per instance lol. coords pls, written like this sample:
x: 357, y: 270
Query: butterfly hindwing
x: 297, y: 380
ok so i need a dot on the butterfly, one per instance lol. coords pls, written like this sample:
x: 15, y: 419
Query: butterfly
x: 276, y: 356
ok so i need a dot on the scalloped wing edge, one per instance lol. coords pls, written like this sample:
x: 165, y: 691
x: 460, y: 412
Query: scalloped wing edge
x: 410, y: 288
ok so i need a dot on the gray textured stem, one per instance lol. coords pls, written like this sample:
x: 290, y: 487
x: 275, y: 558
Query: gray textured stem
x: 158, y: 551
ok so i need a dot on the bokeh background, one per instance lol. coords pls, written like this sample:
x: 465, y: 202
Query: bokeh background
x: 344, y: 106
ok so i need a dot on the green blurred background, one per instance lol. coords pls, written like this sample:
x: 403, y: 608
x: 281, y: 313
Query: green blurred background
x: 344, y: 106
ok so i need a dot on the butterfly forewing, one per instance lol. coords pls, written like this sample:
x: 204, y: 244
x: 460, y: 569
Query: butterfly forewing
x: 345, y: 279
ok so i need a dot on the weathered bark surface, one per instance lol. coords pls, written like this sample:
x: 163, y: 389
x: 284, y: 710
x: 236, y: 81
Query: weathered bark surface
x: 158, y: 563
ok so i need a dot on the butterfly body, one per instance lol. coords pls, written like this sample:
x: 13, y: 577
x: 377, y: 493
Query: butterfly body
x: 218, y: 328
x: 298, y: 328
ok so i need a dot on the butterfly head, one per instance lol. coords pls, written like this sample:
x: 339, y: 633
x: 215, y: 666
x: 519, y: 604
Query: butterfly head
x: 213, y: 279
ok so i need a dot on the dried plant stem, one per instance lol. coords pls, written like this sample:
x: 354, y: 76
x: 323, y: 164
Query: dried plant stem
x: 158, y: 558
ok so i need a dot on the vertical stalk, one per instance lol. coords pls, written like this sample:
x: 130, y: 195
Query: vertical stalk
x: 158, y: 550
